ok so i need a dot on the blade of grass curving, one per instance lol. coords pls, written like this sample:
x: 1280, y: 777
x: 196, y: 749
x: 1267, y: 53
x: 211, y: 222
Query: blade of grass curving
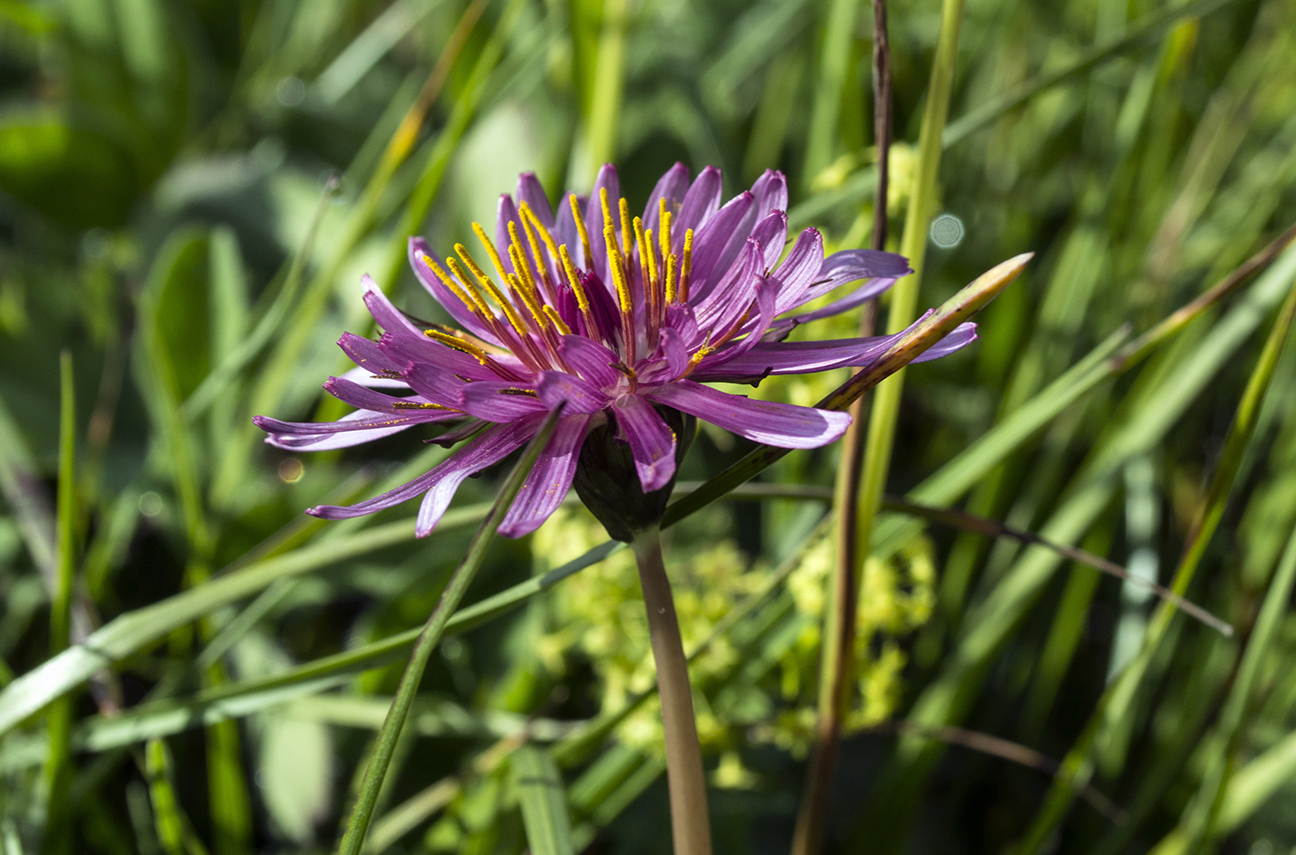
x: 543, y: 800
x: 1200, y: 825
x: 1149, y: 25
x: 25, y: 496
x: 376, y: 772
x: 949, y: 696
x: 136, y: 630
x: 173, y: 828
x: 364, y: 52
x: 1117, y: 699
x: 217, y: 382
x: 837, y: 39
x: 58, y: 771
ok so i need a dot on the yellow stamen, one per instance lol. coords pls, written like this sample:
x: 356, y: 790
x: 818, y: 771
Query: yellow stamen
x: 685, y: 264
x: 626, y: 234
x: 665, y: 227
x: 532, y: 306
x: 474, y: 303
x: 702, y: 353
x: 671, y: 264
x: 646, y: 249
x: 510, y: 313
x: 580, y: 228
x: 616, y: 262
x: 529, y: 216
x: 518, y: 256
x: 607, y: 216
x: 573, y: 279
x: 458, y: 344
x: 491, y: 251
x: 417, y: 405
x: 554, y: 319
x: 534, y: 244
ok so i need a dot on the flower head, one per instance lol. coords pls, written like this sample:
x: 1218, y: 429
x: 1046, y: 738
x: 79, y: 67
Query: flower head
x: 609, y: 316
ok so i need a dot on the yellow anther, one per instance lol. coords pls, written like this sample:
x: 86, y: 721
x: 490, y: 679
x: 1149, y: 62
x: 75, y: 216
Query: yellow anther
x: 664, y: 226
x: 580, y: 229
x: 491, y: 251
x: 552, y: 315
x: 518, y: 256
x: 607, y: 216
x: 685, y: 264
x: 417, y: 405
x: 617, y: 263
x: 533, y: 242
x: 626, y: 234
x: 458, y: 344
x: 533, y: 307
x: 573, y: 279
x: 671, y: 264
x: 473, y: 305
x: 702, y: 353
x: 530, y: 219
x: 510, y: 313
x: 646, y: 249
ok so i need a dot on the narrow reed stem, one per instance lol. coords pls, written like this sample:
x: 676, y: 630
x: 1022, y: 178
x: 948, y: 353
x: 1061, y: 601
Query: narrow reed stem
x: 690, y: 821
x: 837, y: 666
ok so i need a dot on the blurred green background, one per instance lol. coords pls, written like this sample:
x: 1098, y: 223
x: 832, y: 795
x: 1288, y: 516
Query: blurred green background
x: 190, y: 191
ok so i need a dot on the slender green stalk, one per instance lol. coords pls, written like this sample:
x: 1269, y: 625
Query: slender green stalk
x: 834, y: 68
x: 608, y: 89
x: 913, y: 245
x: 837, y: 659
x: 690, y: 820
x: 376, y: 772
x: 59, y: 720
x: 1114, y: 703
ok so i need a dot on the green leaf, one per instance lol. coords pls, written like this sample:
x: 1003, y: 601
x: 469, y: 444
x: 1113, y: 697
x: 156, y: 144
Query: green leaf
x: 544, y: 802
x: 73, y: 175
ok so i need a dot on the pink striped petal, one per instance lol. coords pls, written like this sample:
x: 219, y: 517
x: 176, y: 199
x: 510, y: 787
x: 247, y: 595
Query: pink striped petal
x: 782, y: 425
x: 549, y: 481
x: 652, y: 442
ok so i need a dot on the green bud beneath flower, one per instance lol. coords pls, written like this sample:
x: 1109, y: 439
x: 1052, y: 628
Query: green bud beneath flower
x: 608, y: 483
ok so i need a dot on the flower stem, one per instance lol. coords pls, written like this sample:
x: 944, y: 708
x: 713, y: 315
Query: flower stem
x: 690, y: 822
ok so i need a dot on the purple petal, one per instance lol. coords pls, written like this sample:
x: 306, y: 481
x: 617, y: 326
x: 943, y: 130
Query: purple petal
x: 771, y: 233
x: 652, y: 442
x: 530, y: 190
x: 798, y: 270
x: 607, y: 178
x: 804, y: 357
x: 733, y: 295
x: 580, y: 396
x: 549, y: 481
x: 668, y: 361
x: 700, y: 202
x: 589, y: 359
x: 367, y: 378
x: 443, y: 479
x: 851, y: 265
x: 364, y: 398
x: 868, y: 291
x: 352, y: 429
x: 718, y: 243
x: 434, y: 384
x: 672, y: 186
x: 782, y: 425
x: 771, y: 193
x: 367, y: 356
x: 506, y: 212
x: 500, y: 402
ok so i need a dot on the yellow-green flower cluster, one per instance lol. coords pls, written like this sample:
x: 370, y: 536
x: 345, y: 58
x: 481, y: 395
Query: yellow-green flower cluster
x: 756, y: 683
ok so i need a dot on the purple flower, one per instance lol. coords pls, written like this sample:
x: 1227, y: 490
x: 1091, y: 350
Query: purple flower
x: 604, y: 313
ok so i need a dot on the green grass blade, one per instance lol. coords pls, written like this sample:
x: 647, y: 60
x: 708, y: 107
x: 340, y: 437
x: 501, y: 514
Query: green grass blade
x: 544, y: 803
x: 1144, y: 28
x: 834, y: 67
x: 376, y: 772
x: 1115, y: 702
x: 58, y: 770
